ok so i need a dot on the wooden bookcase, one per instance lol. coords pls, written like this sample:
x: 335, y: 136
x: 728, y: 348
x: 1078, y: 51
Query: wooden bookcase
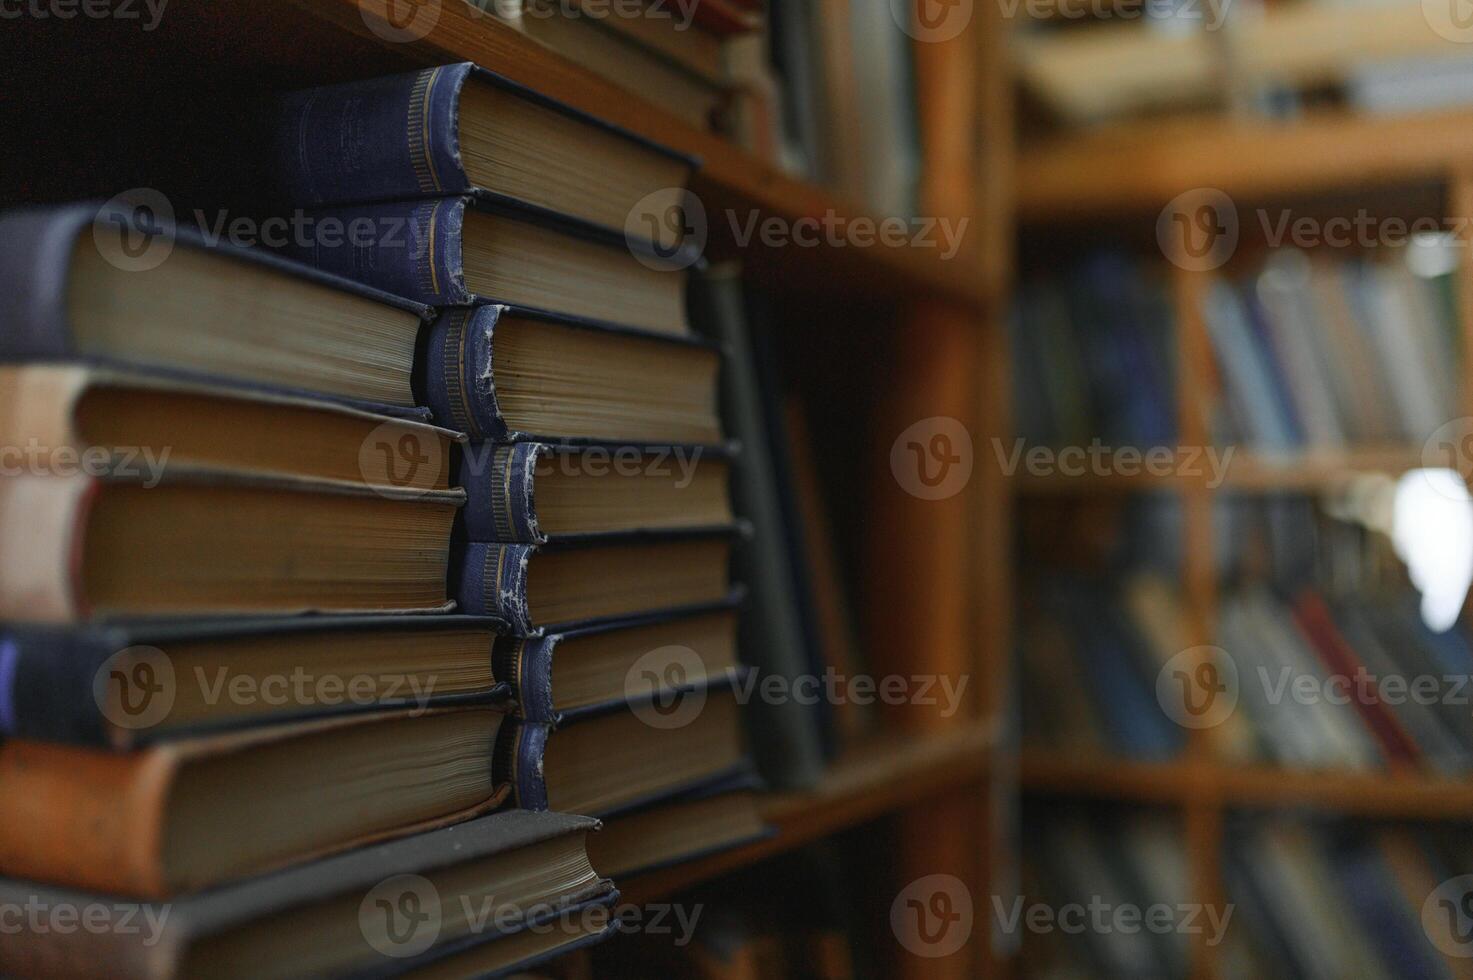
x: 1128, y: 176
x: 947, y: 574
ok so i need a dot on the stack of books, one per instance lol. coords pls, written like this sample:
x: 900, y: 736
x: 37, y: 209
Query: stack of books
x: 598, y: 524
x: 194, y: 439
x: 332, y: 574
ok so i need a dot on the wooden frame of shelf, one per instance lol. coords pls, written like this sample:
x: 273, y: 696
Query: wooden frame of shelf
x: 1143, y: 166
x: 1397, y: 795
x: 1244, y: 472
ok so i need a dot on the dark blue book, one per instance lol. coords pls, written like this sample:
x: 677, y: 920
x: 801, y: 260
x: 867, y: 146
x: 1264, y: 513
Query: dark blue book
x: 458, y: 251
x: 707, y: 820
x: 505, y: 374
x: 127, y: 685
x: 533, y: 492
x: 626, y: 756
x: 589, y: 670
x: 581, y: 581
x: 123, y: 286
x: 461, y: 130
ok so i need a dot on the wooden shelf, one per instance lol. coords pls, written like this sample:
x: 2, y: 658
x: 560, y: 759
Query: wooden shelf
x: 887, y: 774
x: 1391, y: 795
x: 1140, y: 167
x: 1246, y: 472
x: 302, y: 42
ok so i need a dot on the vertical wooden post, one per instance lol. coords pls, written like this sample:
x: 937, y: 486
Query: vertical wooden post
x: 992, y: 201
x: 1460, y: 207
x: 1203, y: 808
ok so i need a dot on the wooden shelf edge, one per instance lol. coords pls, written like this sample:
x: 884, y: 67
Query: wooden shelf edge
x: 1143, y: 166
x: 729, y: 176
x: 1398, y: 795
x: 1243, y: 472
x: 884, y: 775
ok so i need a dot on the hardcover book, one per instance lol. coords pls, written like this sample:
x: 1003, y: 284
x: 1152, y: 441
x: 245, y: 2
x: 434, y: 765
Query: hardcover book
x: 184, y: 815
x: 460, y: 251
x: 537, y: 587
x: 486, y: 881
x: 122, y: 289
x: 87, y: 686
x: 200, y: 543
x: 627, y: 756
x: 707, y: 821
x: 459, y: 129
x: 502, y: 374
x: 562, y: 676
x: 531, y: 493
x: 145, y: 425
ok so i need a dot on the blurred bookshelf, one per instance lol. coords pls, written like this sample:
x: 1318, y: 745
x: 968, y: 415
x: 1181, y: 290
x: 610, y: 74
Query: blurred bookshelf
x: 1120, y: 176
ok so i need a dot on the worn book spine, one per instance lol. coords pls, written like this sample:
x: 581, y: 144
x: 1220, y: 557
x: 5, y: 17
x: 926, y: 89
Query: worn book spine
x: 518, y: 762
x: 456, y: 377
x: 408, y: 248
x: 377, y: 140
x: 498, y: 484
x: 527, y: 662
x: 491, y: 580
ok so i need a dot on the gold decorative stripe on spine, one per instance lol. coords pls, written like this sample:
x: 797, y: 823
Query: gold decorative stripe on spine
x: 418, y: 131
x: 503, y: 515
x: 453, y: 367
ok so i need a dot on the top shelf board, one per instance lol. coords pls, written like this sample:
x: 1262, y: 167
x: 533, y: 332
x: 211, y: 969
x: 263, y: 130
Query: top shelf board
x: 1143, y: 166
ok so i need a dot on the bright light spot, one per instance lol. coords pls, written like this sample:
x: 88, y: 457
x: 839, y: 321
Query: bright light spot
x: 1432, y: 531
x: 1432, y: 254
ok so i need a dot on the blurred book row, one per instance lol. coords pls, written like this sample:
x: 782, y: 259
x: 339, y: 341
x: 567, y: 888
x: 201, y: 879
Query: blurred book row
x: 1305, y: 679
x: 1322, y: 352
x: 1300, y: 899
